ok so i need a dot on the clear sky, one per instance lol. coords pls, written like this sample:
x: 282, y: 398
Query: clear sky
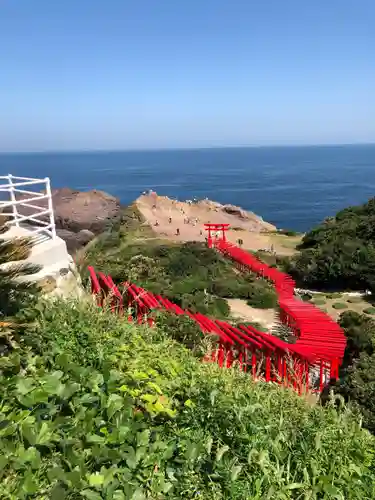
x: 120, y: 74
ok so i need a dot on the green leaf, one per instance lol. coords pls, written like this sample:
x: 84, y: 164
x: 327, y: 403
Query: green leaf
x: 114, y: 404
x: 220, y: 452
x: 58, y: 493
x: 95, y: 438
x: 30, y: 485
x: 45, y: 434
x: 91, y: 495
x: 25, y: 385
x: 3, y: 462
x: 131, y: 458
x: 209, y: 445
x: 333, y: 491
x: 96, y: 479
x: 28, y: 432
x: 55, y: 473
x: 138, y: 495
x: 118, y: 495
x: 150, y: 398
x: 143, y: 437
x: 30, y: 455
x: 236, y: 469
x: 294, y: 486
x: 51, y: 383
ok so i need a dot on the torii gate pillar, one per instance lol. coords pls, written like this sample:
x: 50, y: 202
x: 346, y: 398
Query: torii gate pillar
x: 212, y: 230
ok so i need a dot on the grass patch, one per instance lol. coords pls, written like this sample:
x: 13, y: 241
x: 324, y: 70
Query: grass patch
x: 335, y: 295
x: 339, y: 305
x: 94, y: 407
x: 318, y: 301
x: 369, y: 310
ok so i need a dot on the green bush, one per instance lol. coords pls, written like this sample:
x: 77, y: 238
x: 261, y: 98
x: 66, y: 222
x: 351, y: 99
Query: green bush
x: 339, y: 305
x: 319, y: 301
x: 339, y: 252
x: 335, y: 295
x: 369, y: 310
x: 288, y: 232
x: 262, y: 298
x: 95, y: 407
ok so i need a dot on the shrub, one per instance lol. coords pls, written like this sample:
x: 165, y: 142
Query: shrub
x: 306, y: 297
x: 339, y: 305
x: 262, y: 298
x: 16, y: 294
x: 319, y: 301
x: 339, y: 252
x: 288, y: 232
x: 100, y: 408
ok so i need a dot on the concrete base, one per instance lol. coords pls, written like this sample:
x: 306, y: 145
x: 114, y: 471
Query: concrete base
x: 58, y: 274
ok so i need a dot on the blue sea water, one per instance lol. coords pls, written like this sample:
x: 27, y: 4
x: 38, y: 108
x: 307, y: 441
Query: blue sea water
x: 292, y: 187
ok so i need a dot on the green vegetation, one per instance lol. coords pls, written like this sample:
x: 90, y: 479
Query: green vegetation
x: 15, y: 294
x: 357, y: 378
x: 191, y: 275
x: 319, y: 301
x: 340, y: 252
x: 339, y: 305
x: 369, y: 310
x: 96, y: 408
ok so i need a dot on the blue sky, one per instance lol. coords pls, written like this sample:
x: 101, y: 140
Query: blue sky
x: 119, y: 74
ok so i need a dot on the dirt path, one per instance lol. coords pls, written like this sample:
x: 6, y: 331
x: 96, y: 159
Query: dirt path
x: 241, y: 310
x: 169, y: 217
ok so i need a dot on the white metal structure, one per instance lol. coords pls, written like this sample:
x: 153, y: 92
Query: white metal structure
x: 35, y: 222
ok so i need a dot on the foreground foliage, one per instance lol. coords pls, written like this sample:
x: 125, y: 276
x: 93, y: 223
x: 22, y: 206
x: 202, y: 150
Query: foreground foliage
x: 15, y: 293
x: 93, y: 407
x: 340, y: 252
x: 357, y: 379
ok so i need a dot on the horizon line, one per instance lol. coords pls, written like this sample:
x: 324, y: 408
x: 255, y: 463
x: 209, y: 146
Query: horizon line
x: 197, y: 148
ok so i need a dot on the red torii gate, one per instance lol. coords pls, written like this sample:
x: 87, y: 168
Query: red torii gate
x: 215, y: 228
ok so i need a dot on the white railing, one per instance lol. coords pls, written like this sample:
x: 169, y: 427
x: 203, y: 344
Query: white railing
x: 36, y: 220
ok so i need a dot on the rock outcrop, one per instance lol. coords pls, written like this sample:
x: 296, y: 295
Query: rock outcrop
x: 80, y: 215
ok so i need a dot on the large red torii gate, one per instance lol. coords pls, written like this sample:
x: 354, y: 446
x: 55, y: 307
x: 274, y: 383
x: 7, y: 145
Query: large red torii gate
x: 216, y: 228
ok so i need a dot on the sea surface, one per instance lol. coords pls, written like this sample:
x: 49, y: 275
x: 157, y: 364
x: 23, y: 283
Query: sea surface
x: 292, y: 187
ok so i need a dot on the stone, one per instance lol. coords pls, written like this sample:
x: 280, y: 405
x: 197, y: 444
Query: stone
x: 237, y: 211
x: 48, y: 284
x: 80, y: 215
x: 64, y: 271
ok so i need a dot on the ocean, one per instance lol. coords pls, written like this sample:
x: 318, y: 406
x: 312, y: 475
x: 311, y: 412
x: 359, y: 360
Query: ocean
x: 291, y: 187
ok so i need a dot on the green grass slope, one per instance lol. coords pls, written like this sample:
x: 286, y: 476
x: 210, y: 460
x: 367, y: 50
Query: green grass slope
x: 92, y: 407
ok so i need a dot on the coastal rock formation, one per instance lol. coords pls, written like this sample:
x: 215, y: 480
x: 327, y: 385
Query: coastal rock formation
x: 95, y: 211
x: 183, y: 221
x: 79, y: 215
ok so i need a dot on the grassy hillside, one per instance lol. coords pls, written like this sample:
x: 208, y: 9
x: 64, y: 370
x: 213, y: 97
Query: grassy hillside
x: 340, y: 252
x: 96, y: 408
